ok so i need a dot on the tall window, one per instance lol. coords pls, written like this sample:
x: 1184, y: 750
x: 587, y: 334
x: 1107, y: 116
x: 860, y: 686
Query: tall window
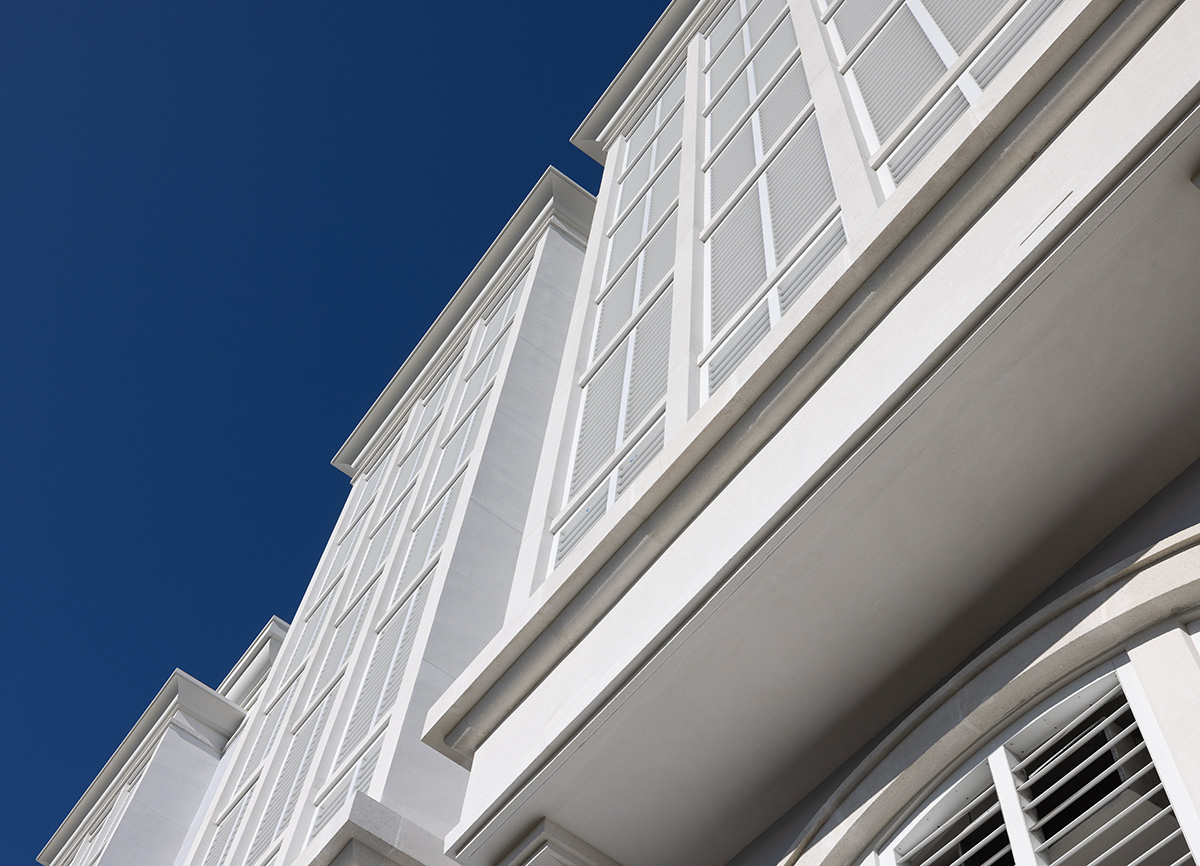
x: 771, y: 214
x: 620, y: 422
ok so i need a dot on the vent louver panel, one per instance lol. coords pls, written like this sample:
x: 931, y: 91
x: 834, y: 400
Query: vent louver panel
x: 740, y: 343
x: 581, y: 521
x: 918, y: 143
x: 787, y: 99
x: 899, y: 59
x: 408, y: 637
x: 961, y: 22
x: 648, y: 371
x: 389, y: 657
x: 895, y: 70
x: 358, y: 778
x: 1009, y: 41
x: 344, y: 635
x: 267, y: 734
x: 308, y: 633
x: 600, y: 419
x: 739, y: 264
x: 799, y: 187
x: 730, y: 168
x: 809, y: 266
x: 227, y: 828
x: 615, y: 309
x: 855, y: 18
x: 641, y: 454
x: 965, y: 828
x: 1092, y: 792
x: 292, y: 776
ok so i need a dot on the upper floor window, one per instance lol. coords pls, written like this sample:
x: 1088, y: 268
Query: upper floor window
x: 913, y: 67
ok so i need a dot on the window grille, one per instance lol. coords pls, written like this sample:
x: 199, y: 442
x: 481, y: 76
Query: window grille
x: 1086, y: 789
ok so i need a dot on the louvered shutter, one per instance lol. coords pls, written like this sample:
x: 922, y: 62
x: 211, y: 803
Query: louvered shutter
x: 648, y: 369
x: 740, y: 343
x: 961, y: 22
x: 268, y: 733
x: 308, y: 633
x: 222, y: 840
x: 964, y: 828
x: 854, y: 19
x: 641, y: 454
x: 615, y: 309
x: 286, y: 790
x: 414, y: 610
x: 895, y: 70
x: 344, y: 635
x: 738, y: 259
x: 599, y: 420
x: 357, y: 778
x: 799, y: 187
x: 1008, y: 42
x: 584, y: 518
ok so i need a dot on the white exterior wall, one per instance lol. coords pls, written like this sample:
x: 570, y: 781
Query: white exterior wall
x: 809, y: 596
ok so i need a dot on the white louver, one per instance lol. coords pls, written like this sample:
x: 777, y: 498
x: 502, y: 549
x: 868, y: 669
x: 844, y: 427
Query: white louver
x: 292, y: 775
x: 344, y: 635
x: 897, y: 55
x: 227, y: 828
x: 1083, y: 791
x: 357, y: 778
x: 272, y: 724
x: 1092, y: 793
x: 308, y: 632
x: 769, y: 192
x: 964, y: 828
x: 389, y: 658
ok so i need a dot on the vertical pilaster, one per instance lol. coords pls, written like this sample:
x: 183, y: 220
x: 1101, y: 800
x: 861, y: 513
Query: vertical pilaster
x: 857, y: 188
x: 683, y: 376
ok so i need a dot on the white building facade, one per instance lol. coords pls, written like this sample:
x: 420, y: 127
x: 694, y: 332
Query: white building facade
x: 823, y: 491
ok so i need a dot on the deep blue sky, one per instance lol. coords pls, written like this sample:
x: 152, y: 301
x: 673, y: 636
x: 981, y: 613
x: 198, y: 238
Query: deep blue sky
x: 223, y: 226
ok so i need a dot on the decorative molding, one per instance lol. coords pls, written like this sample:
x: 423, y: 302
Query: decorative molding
x: 550, y: 845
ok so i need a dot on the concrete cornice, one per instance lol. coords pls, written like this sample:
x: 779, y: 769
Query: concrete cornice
x: 555, y: 197
x: 254, y: 662
x: 590, y: 134
x: 182, y: 693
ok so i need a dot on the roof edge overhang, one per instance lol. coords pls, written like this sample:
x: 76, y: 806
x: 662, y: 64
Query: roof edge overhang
x: 588, y: 137
x: 554, y: 192
x: 253, y: 662
x: 181, y: 693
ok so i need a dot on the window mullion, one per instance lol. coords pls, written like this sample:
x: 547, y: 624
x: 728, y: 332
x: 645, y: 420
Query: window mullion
x: 1001, y: 762
x: 1162, y: 685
